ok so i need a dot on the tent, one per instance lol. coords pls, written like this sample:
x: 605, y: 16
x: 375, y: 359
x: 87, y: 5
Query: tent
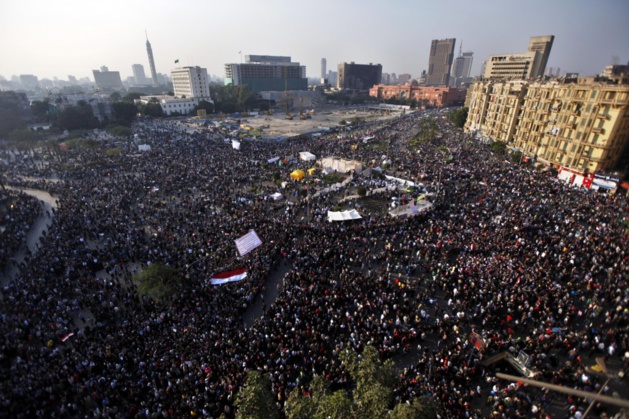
x: 410, y: 210
x: 297, y: 175
x: 276, y: 196
x: 307, y: 156
x: 312, y: 171
x: 144, y: 147
x: 343, y: 215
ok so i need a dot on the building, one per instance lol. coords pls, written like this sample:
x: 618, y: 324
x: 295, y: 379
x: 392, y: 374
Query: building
x: 267, y: 73
x: 541, y: 44
x: 522, y: 66
x: 438, y: 96
x: 138, y: 75
x: 440, y: 62
x: 461, y: 69
x: 617, y: 73
x: 582, y: 126
x: 358, y: 77
x: 323, y: 68
x: 511, y: 66
x: 107, y: 80
x: 29, y: 81
x: 100, y: 104
x: 190, y: 82
x: 149, y: 52
x: 403, y: 78
x: 172, y: 105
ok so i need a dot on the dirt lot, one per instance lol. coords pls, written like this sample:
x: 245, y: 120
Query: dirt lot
x: 277, y: 125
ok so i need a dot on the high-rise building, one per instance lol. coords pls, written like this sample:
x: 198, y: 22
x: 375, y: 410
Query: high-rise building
x: 440, y: 62
x: 578, y: 125
x: 360, y: 77
x: 263, y: 73
x: 403, y: 78
x: 461, y: 69
x: 541, y: 44
x: 107, y: 80
x: 511, y: 66
x: 190, y: 82
x: 323, y: 68
x: 138, y: 74
x: 149, y: 51
x: 29, y: 81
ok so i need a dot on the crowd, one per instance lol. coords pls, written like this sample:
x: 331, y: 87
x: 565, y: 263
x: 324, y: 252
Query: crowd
x: 508, y: 252
x: 18, y: 212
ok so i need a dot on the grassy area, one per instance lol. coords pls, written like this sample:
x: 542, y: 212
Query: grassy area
x: 333, y: 178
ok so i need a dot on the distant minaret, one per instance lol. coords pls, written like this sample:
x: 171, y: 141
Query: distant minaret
x: 149, y: 51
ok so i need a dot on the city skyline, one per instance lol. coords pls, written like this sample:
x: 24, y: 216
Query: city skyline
x: 67, y: 38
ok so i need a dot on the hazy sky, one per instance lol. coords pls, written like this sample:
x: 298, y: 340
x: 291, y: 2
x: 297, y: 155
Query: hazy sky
x: 71, y: 37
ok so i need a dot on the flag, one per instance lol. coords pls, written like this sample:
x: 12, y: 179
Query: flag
x: 229, y: 276
x: 66, y: 337
x: 248, y: 242
x: 177, y: 60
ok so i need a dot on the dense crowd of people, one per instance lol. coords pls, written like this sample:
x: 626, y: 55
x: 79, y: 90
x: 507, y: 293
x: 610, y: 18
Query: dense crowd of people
x: 508, y: 252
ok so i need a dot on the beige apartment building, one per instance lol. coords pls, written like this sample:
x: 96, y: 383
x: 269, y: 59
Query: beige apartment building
x: 583, y: 125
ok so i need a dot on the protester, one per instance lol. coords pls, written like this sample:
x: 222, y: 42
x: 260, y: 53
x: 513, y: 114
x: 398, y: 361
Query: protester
x: 507, y: 251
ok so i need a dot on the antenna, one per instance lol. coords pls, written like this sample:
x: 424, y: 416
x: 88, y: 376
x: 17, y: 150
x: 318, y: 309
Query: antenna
x: 461, y: 49
x: 147, y: 35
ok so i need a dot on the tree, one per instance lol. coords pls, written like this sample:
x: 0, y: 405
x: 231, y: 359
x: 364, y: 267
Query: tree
x: 458, y: 117
x: 159, y: 281
x: 255, y: 399
x: 422, y: 408
x: 153, y: 109
x: 13, y: 112
x: 362, y: 191
x: 299, y: 406
x: 125, y: 112
x: 115, y: 97
x: 131, y: 97
x: 78, y: 117
x: 40, y: 110
x: 336, y: 406
x: 204, y: 104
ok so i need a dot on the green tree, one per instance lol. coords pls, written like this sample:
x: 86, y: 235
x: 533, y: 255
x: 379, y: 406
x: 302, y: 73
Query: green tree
x: 299, y: 406
x: 131, y: 97
x: 124, y: 112
x: 204, y: 104
x: 458, y: 117
x: 336, y: 406
x: 78, y: 117
x: 361, y: 191
x: 159, y: 281
x: 40, y: 110
x: 13, y: 112
x: 422, y: 408
x: 152, y: 109
x: 255, y: 399
x: 115, y: 97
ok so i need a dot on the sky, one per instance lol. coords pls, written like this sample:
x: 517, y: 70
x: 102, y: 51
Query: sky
x: 57, y: 38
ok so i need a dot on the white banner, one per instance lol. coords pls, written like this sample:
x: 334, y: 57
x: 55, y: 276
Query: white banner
x: 236, y: 145
x: 248, y: 242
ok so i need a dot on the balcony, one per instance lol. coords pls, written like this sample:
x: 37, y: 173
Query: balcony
x: 598, y: 130
x: 602, y: 116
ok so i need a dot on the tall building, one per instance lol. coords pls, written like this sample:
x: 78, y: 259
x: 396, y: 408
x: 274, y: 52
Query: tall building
x: 323, y: 68
x: 440, y: 62
x: 461, y: 69
x: 403, y: 78
x: 511, y: 66
x: 107, y: 80
x: 267, y: 73
x: 138, y: 74
x: 149, y: 51
x: 360, y: 77
x: 541, y: 44
x: 190, y: 82
x: 581, y: 125
x: 29, y: 81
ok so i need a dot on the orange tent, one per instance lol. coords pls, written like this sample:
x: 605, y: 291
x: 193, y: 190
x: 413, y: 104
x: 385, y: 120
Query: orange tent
x: 297, y: 175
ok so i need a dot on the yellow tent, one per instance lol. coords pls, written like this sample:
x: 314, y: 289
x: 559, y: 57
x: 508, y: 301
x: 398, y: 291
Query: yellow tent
x: 297, y: 175
x: 312, y: 171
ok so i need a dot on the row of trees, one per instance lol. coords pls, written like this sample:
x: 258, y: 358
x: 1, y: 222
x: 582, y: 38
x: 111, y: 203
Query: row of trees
x: 368, y: 395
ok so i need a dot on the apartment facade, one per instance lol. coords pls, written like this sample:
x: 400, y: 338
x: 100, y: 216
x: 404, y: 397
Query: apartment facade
x: 191, y: 82
x: 359, y: 77
x: 267, y: 73
x: 583, y: 126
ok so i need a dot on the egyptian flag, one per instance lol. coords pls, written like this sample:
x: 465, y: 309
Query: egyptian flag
x: 229, y: 276
x: 66, y: 337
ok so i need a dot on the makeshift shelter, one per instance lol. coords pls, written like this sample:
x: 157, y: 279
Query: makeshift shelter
x: 410, y: 209
x: 144, y: 147
x: 298, y: 175
x: 277, y: 196
x: 343, y: 215
x: 312, y: 171
x: 307, y: 156
x: 341, y: 165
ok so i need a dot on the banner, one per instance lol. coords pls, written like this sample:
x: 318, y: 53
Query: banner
x: 236, y: 145
x: 248, y: 242
x: 229, y: 276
